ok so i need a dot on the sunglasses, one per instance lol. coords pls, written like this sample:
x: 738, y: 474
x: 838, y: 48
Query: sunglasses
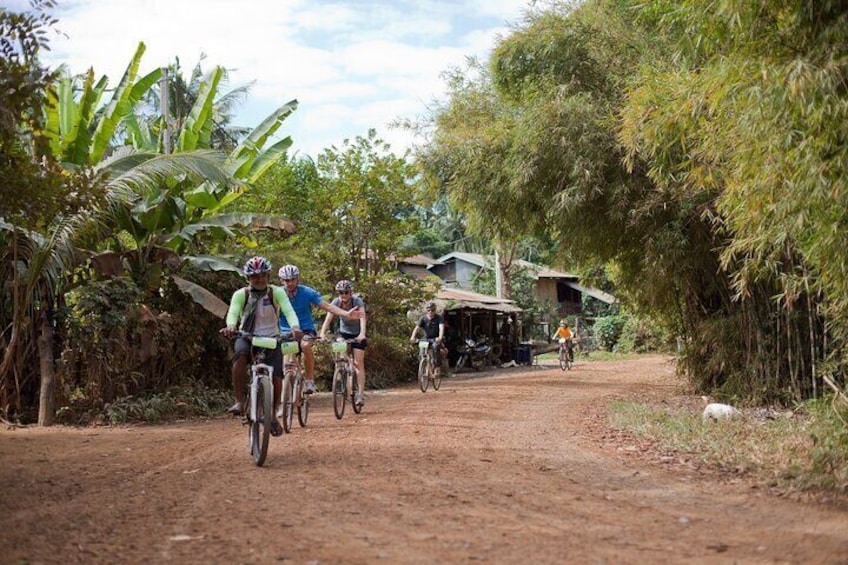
x: 286, y: 280
x: 344, y: 292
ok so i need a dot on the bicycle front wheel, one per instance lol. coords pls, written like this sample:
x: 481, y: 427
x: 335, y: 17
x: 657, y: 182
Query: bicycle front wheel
x: 339, y: 392
x: 423, y: 376
x: 302, y: 405
x: 287, y: 401
x: 354, y: 390
x: 260, y: 422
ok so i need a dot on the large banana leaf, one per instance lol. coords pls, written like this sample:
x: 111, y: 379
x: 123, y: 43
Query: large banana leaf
x: 225, y: 225
x: 252, y: 222
x: 118, y: 107
x: 150, y: 170
x: 201, y: 110
x: 140, y: 134
x: 203, y: 297
x: 241, y: 159
x: 78, y: 140
x: 211, y: 263
x: 176, y: 240
x: 268, y: 158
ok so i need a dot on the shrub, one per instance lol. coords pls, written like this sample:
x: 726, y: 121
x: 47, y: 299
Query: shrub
x: 608, y: 330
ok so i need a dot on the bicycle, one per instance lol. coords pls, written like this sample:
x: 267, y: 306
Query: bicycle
x: 427, y: 365
x: 566, y: 354
x: 294, y: 397
x: 345, y: 381
x: 260, y: 395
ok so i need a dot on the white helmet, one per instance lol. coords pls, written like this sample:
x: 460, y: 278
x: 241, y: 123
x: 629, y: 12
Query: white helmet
x: 288, y: 272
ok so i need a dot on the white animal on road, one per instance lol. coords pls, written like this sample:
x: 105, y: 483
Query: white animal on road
x: 714, y: 411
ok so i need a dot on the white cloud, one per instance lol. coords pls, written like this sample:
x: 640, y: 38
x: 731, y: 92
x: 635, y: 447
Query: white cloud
x: 351, y: 64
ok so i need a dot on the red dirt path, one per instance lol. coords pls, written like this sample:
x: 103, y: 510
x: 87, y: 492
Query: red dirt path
x: 511, y: 466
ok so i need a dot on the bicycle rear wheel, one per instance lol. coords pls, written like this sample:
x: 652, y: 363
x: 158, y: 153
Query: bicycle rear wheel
x: 287, y: 401
x: 260, y: 423
x: 423, y: 374
x: 339, y: 392
x: 302, y: 405
x: 437, y: 377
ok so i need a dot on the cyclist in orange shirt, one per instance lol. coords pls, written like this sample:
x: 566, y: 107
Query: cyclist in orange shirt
x: 565, y: 335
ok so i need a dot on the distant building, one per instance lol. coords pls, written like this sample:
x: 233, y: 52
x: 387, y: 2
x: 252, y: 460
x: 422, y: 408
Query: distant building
x: 556, y: 287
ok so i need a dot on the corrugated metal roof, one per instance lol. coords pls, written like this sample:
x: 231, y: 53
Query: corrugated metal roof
x: 420, y: 260
x: 457, y: 299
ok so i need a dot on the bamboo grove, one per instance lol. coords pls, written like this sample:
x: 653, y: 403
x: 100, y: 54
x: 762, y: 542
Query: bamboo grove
x: 699, y: 149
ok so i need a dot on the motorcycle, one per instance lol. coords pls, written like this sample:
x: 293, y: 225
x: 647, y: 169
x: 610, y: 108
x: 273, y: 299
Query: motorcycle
x: 475, y: 354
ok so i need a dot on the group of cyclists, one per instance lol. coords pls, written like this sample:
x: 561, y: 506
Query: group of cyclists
x: 267, y: 310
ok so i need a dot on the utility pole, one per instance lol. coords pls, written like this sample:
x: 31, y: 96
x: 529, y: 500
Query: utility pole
x: 498, y: 275
x: 165, y: 110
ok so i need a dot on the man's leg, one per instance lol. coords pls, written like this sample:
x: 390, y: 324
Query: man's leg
x: 359, y: 359
x: 239, y: 376
x: 309, y: 366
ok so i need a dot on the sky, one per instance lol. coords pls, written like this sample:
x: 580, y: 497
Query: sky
x: 351, y: 64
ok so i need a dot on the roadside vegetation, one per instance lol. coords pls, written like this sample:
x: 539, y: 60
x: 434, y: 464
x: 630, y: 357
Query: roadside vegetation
x: 802, y: 448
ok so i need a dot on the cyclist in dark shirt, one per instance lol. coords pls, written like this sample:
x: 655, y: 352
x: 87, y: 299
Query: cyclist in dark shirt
x: 433, y: 327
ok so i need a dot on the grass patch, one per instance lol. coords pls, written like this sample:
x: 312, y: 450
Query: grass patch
x: 177, y: 403
x: 805, y: 451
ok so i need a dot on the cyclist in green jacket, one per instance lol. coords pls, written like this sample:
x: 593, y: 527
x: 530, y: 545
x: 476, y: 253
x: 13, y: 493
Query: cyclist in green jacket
x: 256, y: 309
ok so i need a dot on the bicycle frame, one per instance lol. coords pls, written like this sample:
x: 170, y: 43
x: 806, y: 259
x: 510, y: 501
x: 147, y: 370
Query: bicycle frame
x: 345, y: 366
x: 343, y: 357
x: 260, y: 384
x: 292, y: 385
x: 427, y: 364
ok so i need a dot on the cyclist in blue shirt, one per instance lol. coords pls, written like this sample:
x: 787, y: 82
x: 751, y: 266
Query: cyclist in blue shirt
x: 302, y: 299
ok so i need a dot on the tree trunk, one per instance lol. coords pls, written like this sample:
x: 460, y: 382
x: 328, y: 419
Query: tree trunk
x: 46, y: 409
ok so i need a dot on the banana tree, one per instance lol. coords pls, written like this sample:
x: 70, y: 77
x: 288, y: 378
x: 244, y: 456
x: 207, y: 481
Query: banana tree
x: 39, y: 267
x: 163, y: 220
x: 80, y: 130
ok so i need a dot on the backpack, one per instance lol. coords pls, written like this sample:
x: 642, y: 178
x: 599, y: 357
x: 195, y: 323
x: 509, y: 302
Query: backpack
x: 250, y: 317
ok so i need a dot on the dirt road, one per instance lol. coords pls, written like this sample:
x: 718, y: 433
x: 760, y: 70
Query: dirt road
x: 503, y: 467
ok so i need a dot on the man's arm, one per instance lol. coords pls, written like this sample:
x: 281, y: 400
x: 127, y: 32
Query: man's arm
x: 328, y: 319
x: 362, y: 322
x: 234, y: 312
x: 286, y: 308
x: 354, y: 313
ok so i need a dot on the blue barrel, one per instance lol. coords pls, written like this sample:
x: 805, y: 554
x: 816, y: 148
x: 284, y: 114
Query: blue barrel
x: 522, y: 355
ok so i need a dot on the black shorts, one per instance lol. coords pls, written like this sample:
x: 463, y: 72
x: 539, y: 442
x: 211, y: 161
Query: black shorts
x: 273, y: 357
x: 355, y: 344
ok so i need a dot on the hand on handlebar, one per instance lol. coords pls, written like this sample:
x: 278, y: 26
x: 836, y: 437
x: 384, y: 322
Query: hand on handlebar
x: 228, y: 331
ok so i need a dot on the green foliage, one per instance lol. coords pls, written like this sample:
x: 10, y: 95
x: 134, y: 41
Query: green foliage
x: 828, y: 466
x: 608, y: 330
x: 32, y: 190
x: 120, y: 343
x: 699, y: 153
x: 642, y: 336
x: 177, y: 403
